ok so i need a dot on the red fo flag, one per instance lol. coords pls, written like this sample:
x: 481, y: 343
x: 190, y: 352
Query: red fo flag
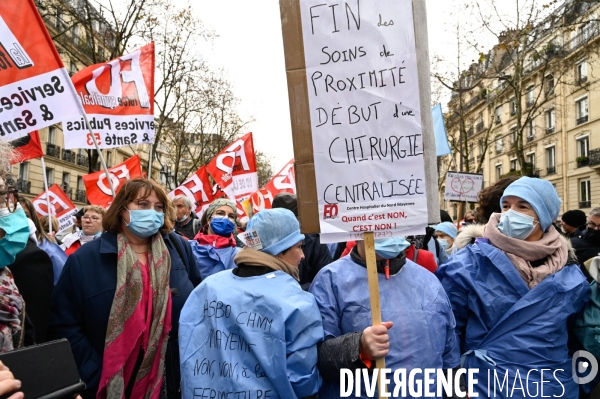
x: 234, y: 168
x: 118, y: 97
x: 283, y: 182
x: 61, y: 206
x: 34, y: 86
x: 197, y: 189
x: 98, y: 188
x: 27, y: 147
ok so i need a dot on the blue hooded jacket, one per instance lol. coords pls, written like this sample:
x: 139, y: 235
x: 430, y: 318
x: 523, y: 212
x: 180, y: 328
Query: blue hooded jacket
x: 508, y: 331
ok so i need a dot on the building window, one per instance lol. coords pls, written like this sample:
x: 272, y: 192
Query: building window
x: 66, y: 178
x: 583, y: 146
x: 50, y: 176
x: 581, y: 107
x: 498, y: 145
x: 513, y: 134
x: 52, y: 135
x: 24, y: 171
x: 551, y: 160
x: 581, y: 71
x: 513, y: 164
x: 530, y: 130
x: 80, y: 185
x: 73, y: 69
x: 513, y: 107
x: 530, y: 96
x: 108, y: 159
x: 550, y: 117
x: 498, y: 115
x: 549, y: 84
x: 531, y: 160
x: 498, y: 171
x: 585, y: 190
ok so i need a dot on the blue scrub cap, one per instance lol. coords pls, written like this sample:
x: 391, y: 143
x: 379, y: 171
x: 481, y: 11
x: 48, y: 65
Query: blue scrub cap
x: 447, y: 228
x: 542, y: 196
x: 278, y: 230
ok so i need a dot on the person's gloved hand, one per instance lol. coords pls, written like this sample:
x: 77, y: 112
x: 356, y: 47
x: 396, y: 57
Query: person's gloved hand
x: 375, y: 341
x: 8, y: 383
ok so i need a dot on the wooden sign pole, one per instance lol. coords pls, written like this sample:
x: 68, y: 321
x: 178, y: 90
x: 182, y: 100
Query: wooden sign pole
x: 374, y: 297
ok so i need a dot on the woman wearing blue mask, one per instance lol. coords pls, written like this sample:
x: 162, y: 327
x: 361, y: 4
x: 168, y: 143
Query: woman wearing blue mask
x: 513, y: 293
x: 446, y: 233
x: 119, y: 298
x: 418, y: 332
x: 214, y: 246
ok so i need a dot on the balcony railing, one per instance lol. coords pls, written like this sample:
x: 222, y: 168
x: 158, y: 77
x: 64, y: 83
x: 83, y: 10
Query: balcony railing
x: 69, y: 156
x: 479, y: 127
x: 530, y: 103
x: 582, y: 161
x: 498, y: 120
x: 550, y: 130
x: 498, y: 151
x: 513, y: 111
x: 551, y: 170
x: 52, y: 150
x: 24, y: 186
x: 582, y: 119
x: 582, y: 79
x: 532, y: 173
x: 470, y: 132
x: 594, y: 156
x: 530, y: 138
x: 80, y: 196
x: 585, y: 204
x: 82, y: 160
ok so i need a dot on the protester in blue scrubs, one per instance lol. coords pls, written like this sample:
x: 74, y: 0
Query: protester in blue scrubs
x: 514, y: 293
x: 215, y: 247
x: 252, y: 332
x: 418, y: 328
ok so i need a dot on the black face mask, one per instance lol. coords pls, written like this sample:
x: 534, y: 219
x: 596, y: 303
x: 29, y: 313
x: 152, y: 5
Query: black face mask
x: 593, y: 234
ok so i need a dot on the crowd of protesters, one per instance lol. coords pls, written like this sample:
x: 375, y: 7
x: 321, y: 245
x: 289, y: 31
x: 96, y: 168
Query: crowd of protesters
x: 159, y: 303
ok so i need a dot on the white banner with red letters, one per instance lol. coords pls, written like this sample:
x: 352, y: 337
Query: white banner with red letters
x: 118, y: 97
x: 61, y: 206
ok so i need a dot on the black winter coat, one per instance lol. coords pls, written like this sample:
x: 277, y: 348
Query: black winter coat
x: 34, y: 277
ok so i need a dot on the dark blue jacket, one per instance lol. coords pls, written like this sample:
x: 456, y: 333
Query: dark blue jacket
x: 83, y: 298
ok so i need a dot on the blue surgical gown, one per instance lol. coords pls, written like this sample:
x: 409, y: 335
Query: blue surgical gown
x: 249, y: 337
x: 211, y: 260
x: 57, y: 256
x: 423, y: 333
x: 506, y: 328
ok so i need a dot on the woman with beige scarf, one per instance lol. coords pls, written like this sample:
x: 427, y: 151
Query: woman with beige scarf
x: 512, y: 293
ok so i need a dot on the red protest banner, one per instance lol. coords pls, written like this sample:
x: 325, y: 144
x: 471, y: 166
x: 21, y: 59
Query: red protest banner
x: 196, y: 188
x: 283, y: 182
x: 98, y: 188
x: 34, y: 86
x: 234, y: 168
x: 61, y: 206
x: 27, y: 147
x: 118, y: 97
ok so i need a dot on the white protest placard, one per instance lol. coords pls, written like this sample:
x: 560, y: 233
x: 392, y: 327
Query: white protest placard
x: 463, y: 187
x: 361, y: 70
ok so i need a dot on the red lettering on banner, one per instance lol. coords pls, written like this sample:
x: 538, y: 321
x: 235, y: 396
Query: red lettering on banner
x: 197, y: 189
x: 330, y: 211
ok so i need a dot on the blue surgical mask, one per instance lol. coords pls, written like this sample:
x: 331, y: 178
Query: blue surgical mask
x: 443, y: 243
x: 16, y: 227
x: 182, y: 219
x: 389, y: 248
x: 144, y: 223
x: 222, y: 226
x: 516, y: 224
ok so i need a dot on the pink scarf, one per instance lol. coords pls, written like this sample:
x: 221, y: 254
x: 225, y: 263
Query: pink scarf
x: 552, y: 247
x: 140, y: 320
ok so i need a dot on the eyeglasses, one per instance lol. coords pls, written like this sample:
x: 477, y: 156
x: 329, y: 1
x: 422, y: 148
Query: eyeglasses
x: 593, y: 226
x: 91, y: 218
x: 146, y: 205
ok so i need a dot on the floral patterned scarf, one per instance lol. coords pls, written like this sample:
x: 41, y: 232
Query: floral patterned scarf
x: 11, y: 308
x: 139, y: 323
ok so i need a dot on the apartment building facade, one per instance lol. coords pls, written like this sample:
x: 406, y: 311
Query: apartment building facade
x: 560, y: 139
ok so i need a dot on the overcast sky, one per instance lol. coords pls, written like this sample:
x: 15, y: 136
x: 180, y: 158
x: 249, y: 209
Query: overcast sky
x: 249, y: 47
